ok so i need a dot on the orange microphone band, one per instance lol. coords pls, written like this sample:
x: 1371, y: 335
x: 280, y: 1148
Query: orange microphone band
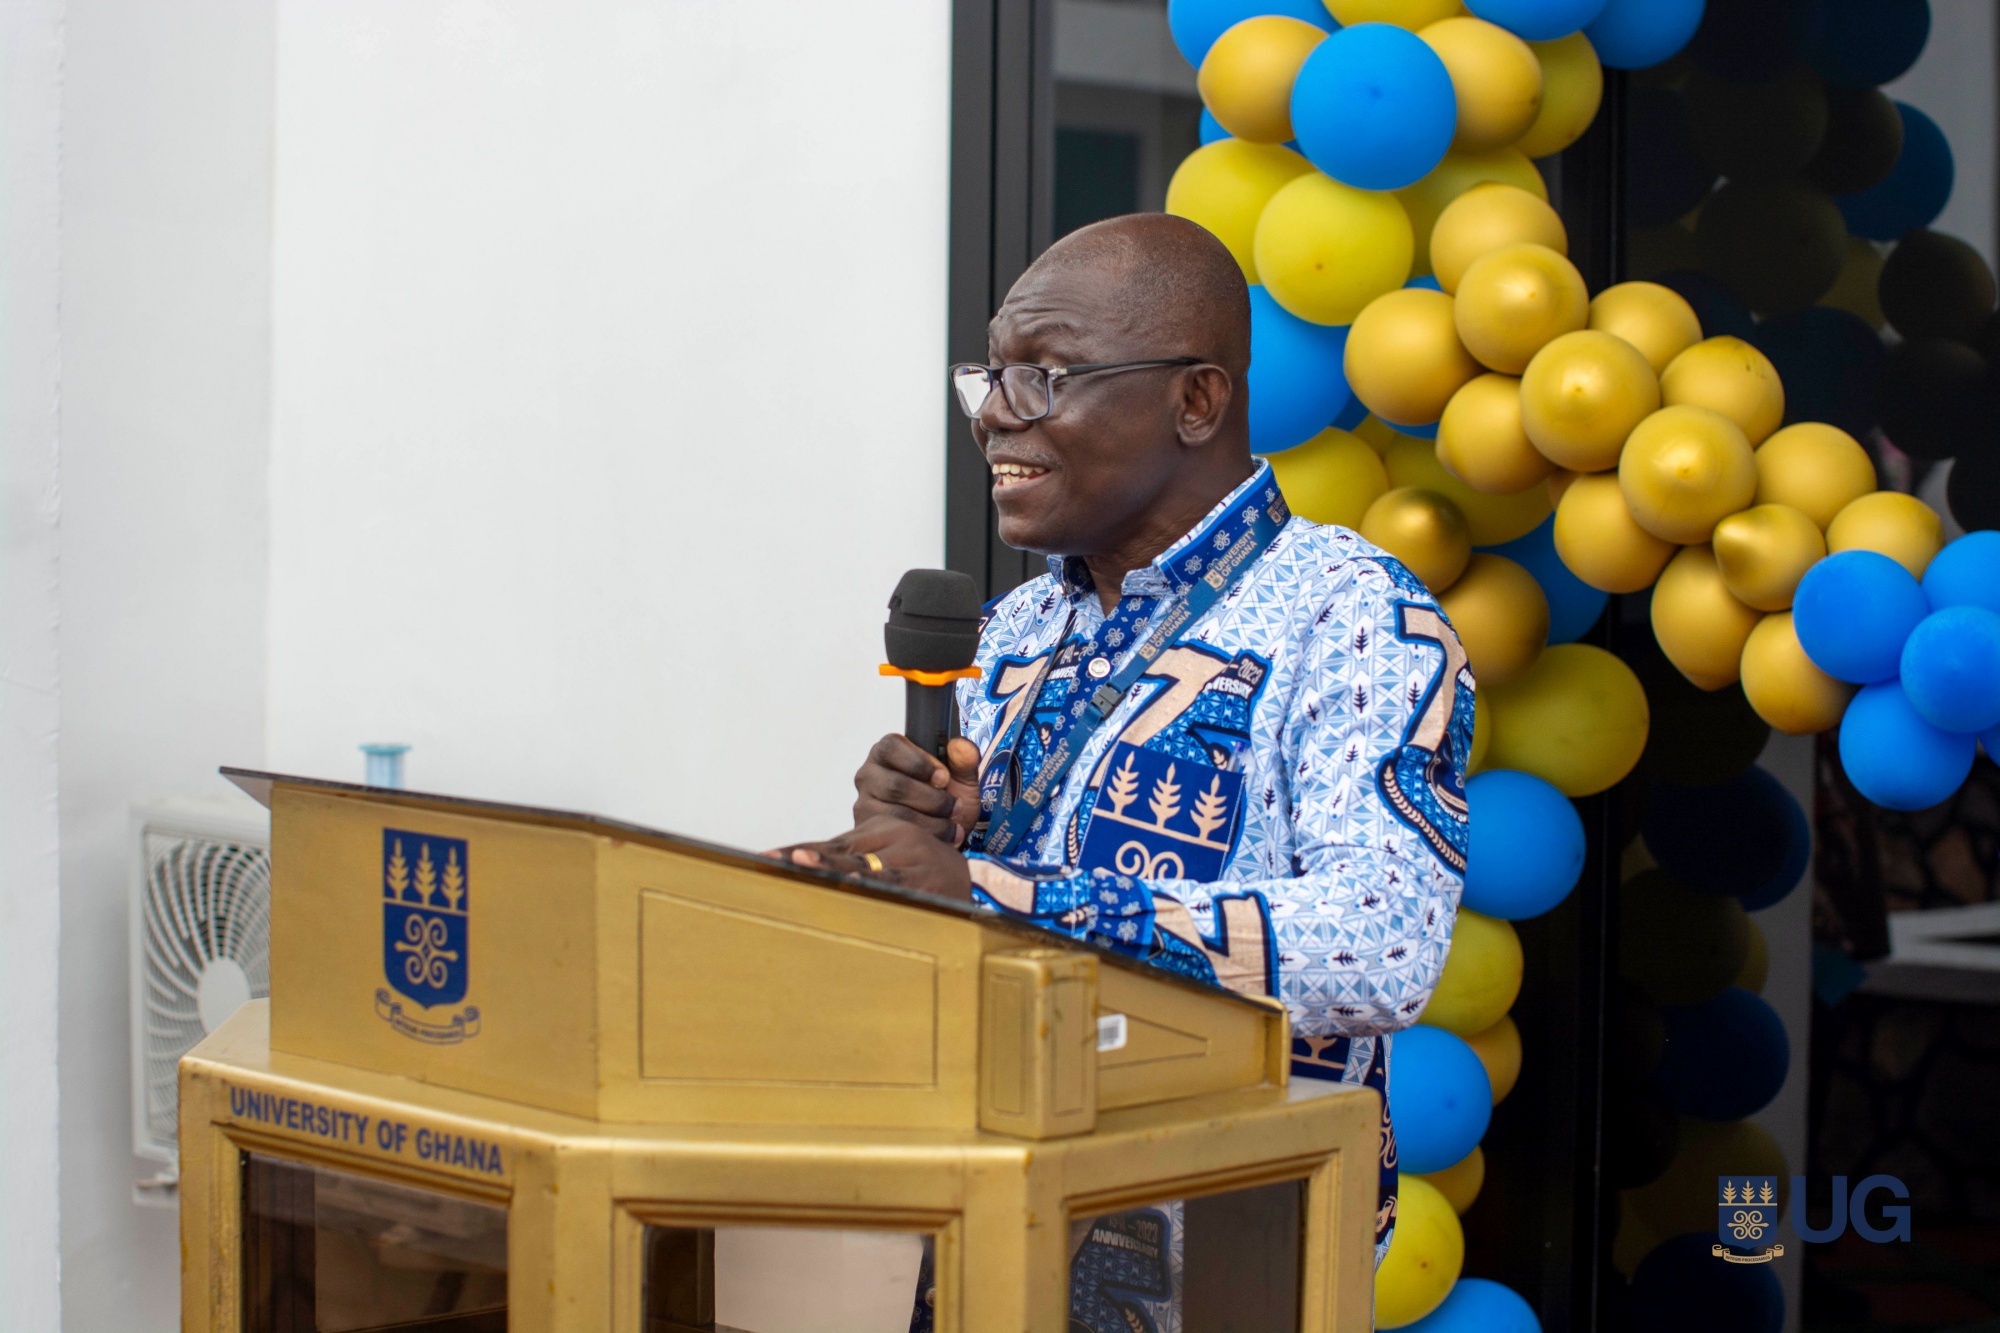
x: 930, y: 677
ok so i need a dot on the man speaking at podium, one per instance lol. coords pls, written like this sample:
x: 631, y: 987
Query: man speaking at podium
x: 1213, y: 736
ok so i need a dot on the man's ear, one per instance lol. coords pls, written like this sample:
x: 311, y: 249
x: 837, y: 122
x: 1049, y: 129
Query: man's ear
x: 1206, y: 393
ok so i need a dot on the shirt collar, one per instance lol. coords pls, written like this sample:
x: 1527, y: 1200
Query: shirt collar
x: 1175, y: 569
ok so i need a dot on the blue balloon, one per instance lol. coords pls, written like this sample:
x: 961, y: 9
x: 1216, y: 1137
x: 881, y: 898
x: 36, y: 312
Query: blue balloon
x: 1527, y: 845
x: 1830, y: 363
x: 1477, y: 1305
x: 1352, y: 415
x: 1638, y: 34
x: 1951, y: 669
x: 1574, y: 606
x: 1428, y: 282
x: 1732, y: 837
x: 1913, y: 193
x: 1852, y: 612
x: 1719, y: 312
x: 1861, y: 43
x: 1894, y: 757
x: 1439, y: 1099
x: 1373, y: 107
x: 1196, y: 24
x: 1427, y: 431
x: 1966, y: 573
x: 1211, y: 128
x: 1537, y: 20
x: 1298, y: 382
x: 1725, y: 1058
x: 1681, y: 1285
x: 1790, y: 874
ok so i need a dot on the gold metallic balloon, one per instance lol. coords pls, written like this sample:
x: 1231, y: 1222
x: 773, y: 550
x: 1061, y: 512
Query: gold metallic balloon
x: 1784, y: 686
x: 1501, y: 615
x: 1331, y: 478
x: 1683, y: 470
x: 1491, y: 519
x: 1581, y: 397
x: 1423, y: 530
x: 1764, y: 551
x: 1404, y: 360
x: 1482, y: 734
x: 1600, y: 541
x: 1426, y: 200
x: 1700, y: 625
x: 1224, y: 187
x: 1856, y: 289
x: 1481, y: 976
x: 1499, y: 1049
x: 1481, y: 441
x: 1576, y: 719
x: 1246, y: 78
x: 1815, y: 468
x: 1411, y: 14
x: 1899, y: 526
x: 1683, y: 1199
x: 1729, y: 376
x: 1572, y: 87
x: 1657, y: 320
x: 1513, y: 300
x: 1485, y: 218
x: 1494, y: 76
x: 1460, y: 1182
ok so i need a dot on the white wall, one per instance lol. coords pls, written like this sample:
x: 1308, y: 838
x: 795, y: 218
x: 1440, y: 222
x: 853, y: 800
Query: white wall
x: 167, y: 116
x: 30, y: 74
x: 607, y: 345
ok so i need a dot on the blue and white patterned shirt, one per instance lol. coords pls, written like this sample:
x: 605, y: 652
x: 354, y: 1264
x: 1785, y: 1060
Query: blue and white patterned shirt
x: 1277, y: 807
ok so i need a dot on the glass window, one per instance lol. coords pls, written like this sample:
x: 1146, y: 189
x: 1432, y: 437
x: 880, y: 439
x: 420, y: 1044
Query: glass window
x: 329, y: 1252
x: 1224, y: 1261
x: 1126, y: 110
x: 785, y: 1280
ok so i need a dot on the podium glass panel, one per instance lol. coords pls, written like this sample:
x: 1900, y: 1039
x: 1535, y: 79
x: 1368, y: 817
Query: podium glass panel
x: 781, y: 1280
x: 1223, y: 1261
x: 329, y: 1252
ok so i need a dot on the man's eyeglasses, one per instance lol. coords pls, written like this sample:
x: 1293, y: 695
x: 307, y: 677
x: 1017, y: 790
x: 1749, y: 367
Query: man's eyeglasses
x: 1030, y: 390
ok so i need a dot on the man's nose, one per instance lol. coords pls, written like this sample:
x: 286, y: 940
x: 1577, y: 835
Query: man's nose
x: 995, y: 416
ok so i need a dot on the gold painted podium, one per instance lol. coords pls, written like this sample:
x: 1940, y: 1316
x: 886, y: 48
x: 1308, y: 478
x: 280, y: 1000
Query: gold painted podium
x: 523, y: 1069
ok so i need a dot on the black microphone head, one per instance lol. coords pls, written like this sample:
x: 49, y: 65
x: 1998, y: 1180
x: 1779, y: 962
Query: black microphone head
x: 933, y: 621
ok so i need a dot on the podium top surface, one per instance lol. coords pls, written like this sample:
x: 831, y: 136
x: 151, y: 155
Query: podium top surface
x: 259, y: 784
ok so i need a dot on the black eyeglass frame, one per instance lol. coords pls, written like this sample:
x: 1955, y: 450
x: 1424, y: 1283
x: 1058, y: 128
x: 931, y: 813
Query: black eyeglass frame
x: 1050, y: 376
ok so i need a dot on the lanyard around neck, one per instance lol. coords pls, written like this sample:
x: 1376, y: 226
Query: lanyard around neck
x: 1012, y: 820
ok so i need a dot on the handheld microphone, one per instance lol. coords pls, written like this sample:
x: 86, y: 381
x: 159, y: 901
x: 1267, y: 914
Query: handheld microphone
x: 931, y: 637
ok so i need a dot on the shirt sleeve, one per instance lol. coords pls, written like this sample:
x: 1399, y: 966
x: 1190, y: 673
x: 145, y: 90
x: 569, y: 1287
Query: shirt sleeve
x: 1376, y: 727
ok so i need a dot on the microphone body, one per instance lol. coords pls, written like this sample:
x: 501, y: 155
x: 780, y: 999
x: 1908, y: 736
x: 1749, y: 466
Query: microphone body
x: 932, y: 636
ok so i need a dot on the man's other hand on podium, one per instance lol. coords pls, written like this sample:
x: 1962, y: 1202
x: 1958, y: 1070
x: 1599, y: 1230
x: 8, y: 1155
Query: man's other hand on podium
x: 893, y: 851
x: 900, y: 781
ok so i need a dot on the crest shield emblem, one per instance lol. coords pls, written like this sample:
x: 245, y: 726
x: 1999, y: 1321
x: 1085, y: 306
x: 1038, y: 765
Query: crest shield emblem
x: 1746, y: 1211
x: 426, y: 900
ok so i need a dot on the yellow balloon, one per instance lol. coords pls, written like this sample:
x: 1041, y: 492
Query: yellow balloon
x: 1756, y: 962
x: 1600, y: 541
x: 1683, y: 1199
x: 1423, y: 530
x: 1581, y: 397
x: 1816, y: 469
x: 1657, y: 320
x: 1764, y: 551
x: 1559, y: 483
x: 1482, y: 734
x: 1729, y: 376
x: 1481, y: 977
x: 1485, y: 218
x: 1652, y: 251
x: 1572, y: 87
x: 1378, y: 434
x: 1495, y: 77
x: 1784, y: 686
x: 1404, y: 360
x: 1246, y: 77
x: 1683, y: 469
x: 1490, y: 519
x: 1324, y: 250
x: 1636, y: 1238
x: 1481, y: 441
x: 1856, y: 289
x: 1411, y: 14
x: 1499, y: 1049
x: 1424, y: 1258
x: 1224, y: 187
x: 1513, y: 300
x: 1700, y: 626
x: 1460, y: 171
x: 1331, y: 478
x: 1576, y: 719
x: 1460, y: 1182
x: 1501, y: 615
x: 1899, y: 526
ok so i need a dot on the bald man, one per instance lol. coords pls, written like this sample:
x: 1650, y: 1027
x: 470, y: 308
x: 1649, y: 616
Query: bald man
x: 1214, y: 736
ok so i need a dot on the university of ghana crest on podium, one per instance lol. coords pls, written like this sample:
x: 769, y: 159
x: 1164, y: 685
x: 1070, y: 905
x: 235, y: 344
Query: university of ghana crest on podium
x: 1746, y: 1214
x: 426, y: 946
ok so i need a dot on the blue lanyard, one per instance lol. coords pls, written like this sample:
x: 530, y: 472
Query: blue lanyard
x: 1012, y: 820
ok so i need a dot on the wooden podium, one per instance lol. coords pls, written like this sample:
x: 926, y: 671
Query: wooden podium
x: 524, y: 1069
